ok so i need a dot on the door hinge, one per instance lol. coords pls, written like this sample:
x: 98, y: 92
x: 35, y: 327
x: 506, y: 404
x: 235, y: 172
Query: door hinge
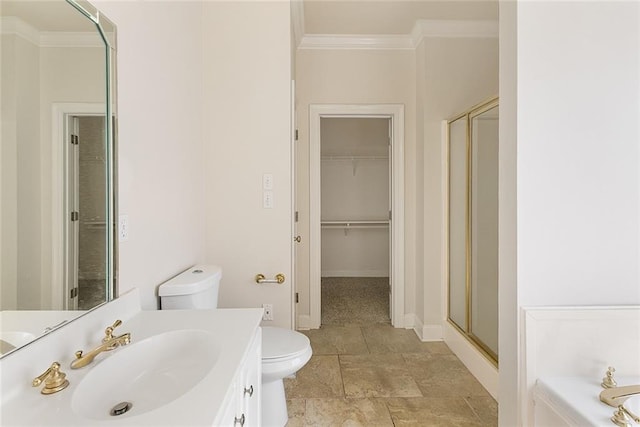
x: 75, y: 216
x: 390, y: 216
x: 295, y: 216
x: 74, y: 139
x: 296, y: 135
x: 297, y: 298
x: 74, y: 293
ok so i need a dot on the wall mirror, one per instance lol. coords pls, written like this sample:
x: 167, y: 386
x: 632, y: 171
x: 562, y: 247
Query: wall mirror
x: 57, y: 165
x: 473, y: 226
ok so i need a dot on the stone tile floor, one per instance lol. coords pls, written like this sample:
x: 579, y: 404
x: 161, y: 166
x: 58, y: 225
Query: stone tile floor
x: 372, y: 374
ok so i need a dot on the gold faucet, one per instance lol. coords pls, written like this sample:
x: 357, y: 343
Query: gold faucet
x: 109, y: 342
x: 616, y: 396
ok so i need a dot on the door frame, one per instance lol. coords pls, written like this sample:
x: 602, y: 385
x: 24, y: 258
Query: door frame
x: 294, y: 207
x: 395, y: 112
x: 59, y: 131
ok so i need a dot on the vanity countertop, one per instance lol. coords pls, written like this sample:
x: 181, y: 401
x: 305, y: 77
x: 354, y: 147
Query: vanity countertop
x: 232, y: 330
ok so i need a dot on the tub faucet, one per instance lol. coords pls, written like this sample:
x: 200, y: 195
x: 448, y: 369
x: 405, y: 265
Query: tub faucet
x: 616, y: 396
x: 109, y: 342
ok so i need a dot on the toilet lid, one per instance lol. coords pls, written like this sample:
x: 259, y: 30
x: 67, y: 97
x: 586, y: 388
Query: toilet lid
x: 280, y: 342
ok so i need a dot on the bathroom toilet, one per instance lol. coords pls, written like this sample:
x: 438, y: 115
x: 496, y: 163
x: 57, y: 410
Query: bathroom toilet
x: 284, y: 351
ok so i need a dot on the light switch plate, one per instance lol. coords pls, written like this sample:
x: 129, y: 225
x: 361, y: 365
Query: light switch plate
x: 267, y: 199
x: 123, y: 228
x: 267, y: 181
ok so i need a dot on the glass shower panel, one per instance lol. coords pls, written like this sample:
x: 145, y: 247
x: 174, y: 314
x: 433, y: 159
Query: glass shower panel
x: 484, y: 228
x: 458, y: 222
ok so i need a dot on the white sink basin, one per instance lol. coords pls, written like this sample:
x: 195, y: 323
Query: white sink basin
x: 147, y: 374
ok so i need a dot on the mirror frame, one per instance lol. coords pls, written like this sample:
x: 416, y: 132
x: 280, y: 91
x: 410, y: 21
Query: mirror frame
x: 109, y: 38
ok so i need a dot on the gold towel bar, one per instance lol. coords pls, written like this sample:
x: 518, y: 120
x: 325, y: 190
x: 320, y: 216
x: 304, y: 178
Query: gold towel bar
x: 261, y: 279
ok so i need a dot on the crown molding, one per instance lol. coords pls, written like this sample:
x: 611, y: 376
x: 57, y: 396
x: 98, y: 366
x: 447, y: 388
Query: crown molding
x: 70, y: 39
x: 16, y: 26
x: 421, y: 30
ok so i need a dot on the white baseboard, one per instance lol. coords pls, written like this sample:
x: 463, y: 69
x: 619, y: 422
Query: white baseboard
x: 424, y: 332
x: 431, y: 333
x: 304, y: 322
x: 409, y: 321
x: 479, y: 366
x: 355, y: 273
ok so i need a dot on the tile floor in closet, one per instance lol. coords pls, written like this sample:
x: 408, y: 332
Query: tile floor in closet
x: 365, y: 372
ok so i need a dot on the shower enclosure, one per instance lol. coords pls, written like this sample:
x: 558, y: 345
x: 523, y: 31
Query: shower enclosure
x: 473, y: 226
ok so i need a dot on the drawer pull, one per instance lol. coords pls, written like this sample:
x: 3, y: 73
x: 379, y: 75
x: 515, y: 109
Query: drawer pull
x: 239, y: 420
x: 249, y: 391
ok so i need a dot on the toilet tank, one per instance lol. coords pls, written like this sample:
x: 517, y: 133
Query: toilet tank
x: 195, y: 288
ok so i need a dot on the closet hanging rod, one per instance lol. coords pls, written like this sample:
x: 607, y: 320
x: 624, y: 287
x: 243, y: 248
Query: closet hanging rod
x: 355, y: 223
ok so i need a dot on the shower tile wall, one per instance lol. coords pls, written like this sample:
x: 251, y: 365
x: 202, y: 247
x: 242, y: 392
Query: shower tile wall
x: 92, y: 244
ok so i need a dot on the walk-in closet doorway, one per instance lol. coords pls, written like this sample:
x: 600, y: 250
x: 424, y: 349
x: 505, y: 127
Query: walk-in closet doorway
x: 356, y: 202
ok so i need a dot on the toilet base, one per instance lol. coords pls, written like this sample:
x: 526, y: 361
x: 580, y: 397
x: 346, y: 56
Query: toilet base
x: 274, y: 404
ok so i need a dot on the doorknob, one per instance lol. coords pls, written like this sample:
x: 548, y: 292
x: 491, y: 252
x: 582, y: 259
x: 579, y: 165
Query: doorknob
x: 297, y: 239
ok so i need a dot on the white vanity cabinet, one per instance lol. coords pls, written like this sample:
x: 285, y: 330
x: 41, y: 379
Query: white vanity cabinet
x: 242, y: 402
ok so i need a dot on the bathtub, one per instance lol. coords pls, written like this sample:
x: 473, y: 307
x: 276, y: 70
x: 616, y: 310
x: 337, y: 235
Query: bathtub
x: 574, y: 401
x: 565, y: 353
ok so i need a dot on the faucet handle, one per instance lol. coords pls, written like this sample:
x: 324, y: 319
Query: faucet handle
x: 109, y: 331
x: 54, y: 380
x: 622, y: 417
x: 607, y: 380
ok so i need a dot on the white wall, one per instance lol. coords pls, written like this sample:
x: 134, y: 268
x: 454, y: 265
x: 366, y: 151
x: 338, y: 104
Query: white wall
x: 588, y: 149
x: 456, y: 73
x: 352, y: 77
x: 8, y: 177
x: 21, y: 186
x: 20, y: 174
x: 355, y: 190
x: 247, y: 112
x: 160, y: 145
x: 572, y: 77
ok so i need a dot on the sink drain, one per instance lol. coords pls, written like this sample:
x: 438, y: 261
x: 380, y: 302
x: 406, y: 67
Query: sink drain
x: 121, y: 408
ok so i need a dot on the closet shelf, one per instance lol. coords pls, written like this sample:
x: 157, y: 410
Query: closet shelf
x: 355, y: 224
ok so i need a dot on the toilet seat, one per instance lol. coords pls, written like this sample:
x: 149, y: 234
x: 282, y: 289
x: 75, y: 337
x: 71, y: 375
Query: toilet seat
x: 281, y: 344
